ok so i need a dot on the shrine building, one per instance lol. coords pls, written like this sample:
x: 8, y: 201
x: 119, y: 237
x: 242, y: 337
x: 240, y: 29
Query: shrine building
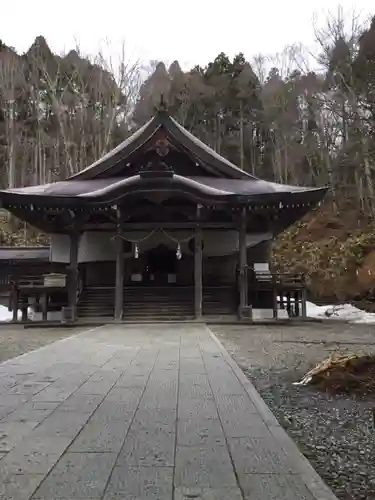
x: 162, y: 226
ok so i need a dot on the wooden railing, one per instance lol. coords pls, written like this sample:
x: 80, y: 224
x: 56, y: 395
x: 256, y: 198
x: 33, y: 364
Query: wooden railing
x: 21, y: 289
x: 28, y: 282
x: 37, y: 282
x: 279, y: 280
x: 288, y: 290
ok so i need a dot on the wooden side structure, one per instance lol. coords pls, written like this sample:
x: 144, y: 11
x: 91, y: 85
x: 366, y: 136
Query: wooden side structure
x: 38, y: 289
x: 286, y: 291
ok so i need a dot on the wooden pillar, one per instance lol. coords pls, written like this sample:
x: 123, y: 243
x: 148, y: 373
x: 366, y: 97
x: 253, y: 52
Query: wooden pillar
x: 198, y: 269
x: 242, y: 265
x: 45, y: 306
x: 119, y: 291
x: 73, y: 273
x: 274, y: 296
x: 14, y: 302
x: 303, y: 303
x: 24, y: 308
x: 297, y: 302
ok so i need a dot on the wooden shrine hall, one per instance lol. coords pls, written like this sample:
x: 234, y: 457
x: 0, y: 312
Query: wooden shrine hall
x: 161, y: 226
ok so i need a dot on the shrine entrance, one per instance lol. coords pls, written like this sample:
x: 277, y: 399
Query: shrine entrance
x: 161, y: 266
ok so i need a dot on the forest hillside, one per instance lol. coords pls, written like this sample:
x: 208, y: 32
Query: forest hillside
x: 273, y: 116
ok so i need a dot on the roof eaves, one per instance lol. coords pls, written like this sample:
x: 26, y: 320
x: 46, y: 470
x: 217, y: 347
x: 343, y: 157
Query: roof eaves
x: 124, y: 149
x: 312, y: 195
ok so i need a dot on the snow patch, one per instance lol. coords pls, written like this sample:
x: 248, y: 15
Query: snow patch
x: 6, y: 316
x: 344, y: 312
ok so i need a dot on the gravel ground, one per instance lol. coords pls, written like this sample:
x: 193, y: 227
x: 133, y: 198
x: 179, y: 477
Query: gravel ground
x: 16, y: 340
x: 336, y: 433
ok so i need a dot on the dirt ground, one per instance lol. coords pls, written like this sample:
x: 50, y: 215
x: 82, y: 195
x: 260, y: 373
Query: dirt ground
x: 335, y: 432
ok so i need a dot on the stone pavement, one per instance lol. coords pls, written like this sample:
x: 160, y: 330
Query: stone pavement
x: 142, y: 412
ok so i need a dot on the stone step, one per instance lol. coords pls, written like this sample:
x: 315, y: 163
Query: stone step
x: 159, y: 303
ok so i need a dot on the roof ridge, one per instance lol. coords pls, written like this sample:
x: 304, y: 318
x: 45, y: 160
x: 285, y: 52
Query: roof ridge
x: 207, y: 157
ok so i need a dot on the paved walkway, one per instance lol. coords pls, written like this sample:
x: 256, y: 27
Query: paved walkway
x: 145, y: 412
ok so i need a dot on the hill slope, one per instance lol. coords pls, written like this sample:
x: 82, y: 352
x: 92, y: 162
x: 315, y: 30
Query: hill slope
x: 336, y: 251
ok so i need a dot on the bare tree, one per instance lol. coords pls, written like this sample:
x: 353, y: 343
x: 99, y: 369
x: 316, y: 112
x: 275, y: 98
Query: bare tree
x: 89, y: 101
x: 11, y: 84
x: 338, y: 41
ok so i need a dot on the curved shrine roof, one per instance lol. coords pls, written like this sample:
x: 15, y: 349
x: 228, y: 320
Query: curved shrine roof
x: 114, y: 176
x: 107, y: 190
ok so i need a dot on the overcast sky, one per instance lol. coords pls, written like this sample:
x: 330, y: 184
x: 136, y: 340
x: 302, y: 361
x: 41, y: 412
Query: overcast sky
x: 191, y: 31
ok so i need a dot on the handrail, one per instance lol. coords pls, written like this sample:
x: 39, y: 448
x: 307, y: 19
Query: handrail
x: 27, y: 281
x: 276, y: 279
x: 31, y: 282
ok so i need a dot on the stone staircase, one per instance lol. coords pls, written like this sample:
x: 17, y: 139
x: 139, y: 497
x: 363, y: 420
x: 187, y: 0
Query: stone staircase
x: 97, y: 302
x: 219, y: 301
x: 140, y: 303
x: 159, y: 303
x: 150, y: 303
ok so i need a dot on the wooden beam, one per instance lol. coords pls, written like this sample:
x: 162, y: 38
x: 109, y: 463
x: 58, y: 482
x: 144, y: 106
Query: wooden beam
x: 119, y: 290
x: 159, y: 210
x: 73, y: 220
x: 148, y: 226
x: 178, y: 225
x: 198, y: 274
